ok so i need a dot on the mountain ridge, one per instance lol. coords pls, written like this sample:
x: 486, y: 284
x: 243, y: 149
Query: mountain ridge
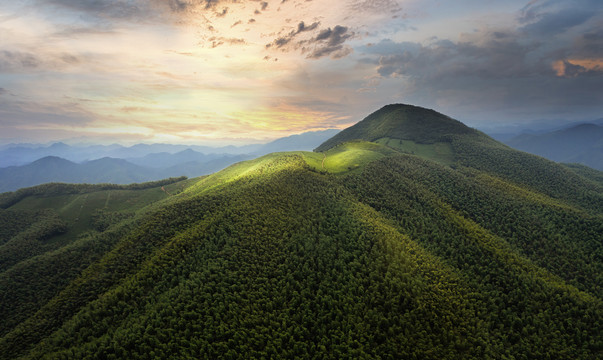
x: 365, y: 250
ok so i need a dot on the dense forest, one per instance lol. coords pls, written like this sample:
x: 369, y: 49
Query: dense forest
x: 449, y: 247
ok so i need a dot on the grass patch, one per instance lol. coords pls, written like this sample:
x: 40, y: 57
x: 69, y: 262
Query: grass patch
x: 353, y: 156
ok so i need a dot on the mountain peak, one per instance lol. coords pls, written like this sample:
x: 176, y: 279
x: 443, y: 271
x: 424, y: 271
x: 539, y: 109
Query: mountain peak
x: 400, y: 121
x: 52, y: 160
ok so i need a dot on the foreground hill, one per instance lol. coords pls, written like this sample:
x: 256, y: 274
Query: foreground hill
x: 465, y: 249
x: 579, y: 144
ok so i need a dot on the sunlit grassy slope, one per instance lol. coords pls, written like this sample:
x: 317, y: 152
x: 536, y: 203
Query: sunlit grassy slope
x: 460, y: 248
x: 339, y: 160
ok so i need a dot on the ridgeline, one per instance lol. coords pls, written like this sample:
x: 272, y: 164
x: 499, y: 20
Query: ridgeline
x: 408, y: 235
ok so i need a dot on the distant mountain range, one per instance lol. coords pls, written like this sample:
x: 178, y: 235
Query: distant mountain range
x: 23, y: 154
x: 27, y: 165
x: 108, y: 170
x: 505, y: 133
x: 581, y: 144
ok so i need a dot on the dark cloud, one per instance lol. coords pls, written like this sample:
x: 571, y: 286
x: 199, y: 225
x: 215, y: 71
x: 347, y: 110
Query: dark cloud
x: 329, y: 42
x: 524, y: 52
x: 102, y: 8
x: 286, y: 39
x: 334, y: 37
x: 491, y: 70
x: 3, y: 91
x: 135, y: 10
x: 589, y: 45
x: 571, y: 70
x: 492, y: 56
x: 185, y: 5
x: 550, y: 17
x: 335, y: 52
x: 28, y: 61
x: 280, y: 42
x: 388, y: 47
x: 301, y: 27
x: 16, y: 61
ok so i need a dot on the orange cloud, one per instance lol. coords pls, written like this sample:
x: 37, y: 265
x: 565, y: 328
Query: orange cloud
x: 574, y: 67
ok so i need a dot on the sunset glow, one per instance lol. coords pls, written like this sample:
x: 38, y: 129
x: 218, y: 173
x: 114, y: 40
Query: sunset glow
x: 220, y: 71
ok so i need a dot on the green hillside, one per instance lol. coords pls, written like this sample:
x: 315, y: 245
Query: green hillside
x: 402, y: 122
x: 458, y: 248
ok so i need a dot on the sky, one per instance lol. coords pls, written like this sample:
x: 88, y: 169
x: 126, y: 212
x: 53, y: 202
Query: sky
x: 218, y: 72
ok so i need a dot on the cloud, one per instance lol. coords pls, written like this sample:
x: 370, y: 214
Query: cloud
x: 551, y: 17
x: 187, y: 5
x: 14, y: 61
x: 301, y: 27
x: 286, y: 39
x: 116, y: 9
x: 136, y: 10
x: 494, y: 69
x: 3, y: 91
x: 589, y: 45
x: 27, y: 61
x: 576, y: 67
x: 328, y: 42
x: 492, y: 55
x: 375, y: 6
x: 221, y: 40
x: 550, y: 60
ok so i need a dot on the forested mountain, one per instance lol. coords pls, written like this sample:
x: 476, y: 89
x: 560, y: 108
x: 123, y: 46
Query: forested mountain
x: 578, y: 144
x: 401, y: 122
x: 429, y: 241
